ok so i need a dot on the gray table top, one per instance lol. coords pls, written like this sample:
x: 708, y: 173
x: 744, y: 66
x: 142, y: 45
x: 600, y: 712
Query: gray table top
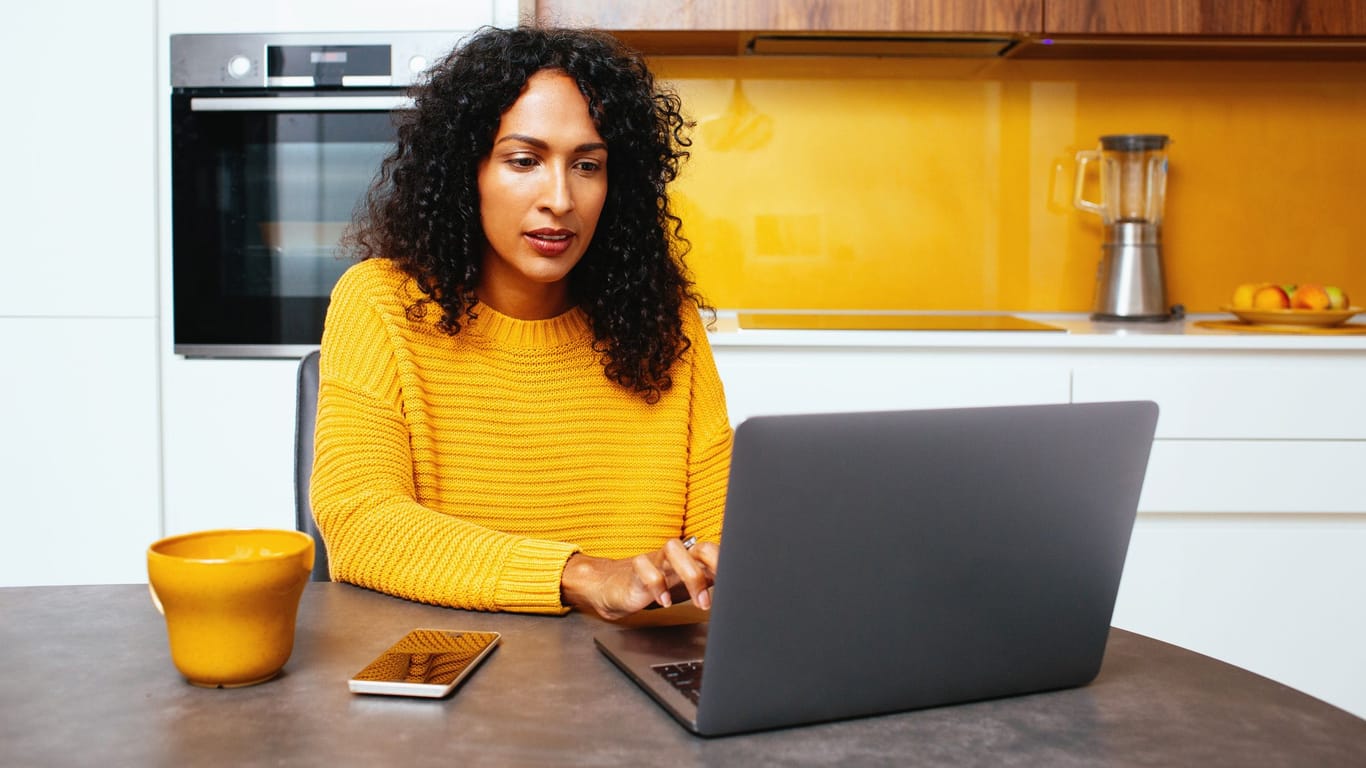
x: 87, y: 679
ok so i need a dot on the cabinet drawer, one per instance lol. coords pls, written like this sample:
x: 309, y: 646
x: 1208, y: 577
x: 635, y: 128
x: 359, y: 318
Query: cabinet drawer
x: 1289, y: 397
x: 1255, y: 476
x: 772, y: 380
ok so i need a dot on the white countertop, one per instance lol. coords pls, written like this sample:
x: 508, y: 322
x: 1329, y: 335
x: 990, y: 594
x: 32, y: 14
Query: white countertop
x: 1079, y: 332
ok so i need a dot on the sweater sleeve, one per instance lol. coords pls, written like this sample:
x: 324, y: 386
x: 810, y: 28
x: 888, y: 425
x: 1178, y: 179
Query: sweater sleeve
x: 363, y: 494
x: 710, y: 438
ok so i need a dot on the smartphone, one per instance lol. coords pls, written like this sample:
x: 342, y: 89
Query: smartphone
x: 427, y: 662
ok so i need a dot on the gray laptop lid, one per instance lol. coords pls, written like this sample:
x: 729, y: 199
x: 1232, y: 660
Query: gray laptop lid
x: 876, y: 562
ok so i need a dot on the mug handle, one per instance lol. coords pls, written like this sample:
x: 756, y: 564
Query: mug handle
x: 1083, y: 157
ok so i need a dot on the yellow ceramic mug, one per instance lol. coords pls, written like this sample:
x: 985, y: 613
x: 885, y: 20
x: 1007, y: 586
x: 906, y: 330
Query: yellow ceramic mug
x: 230, y: 599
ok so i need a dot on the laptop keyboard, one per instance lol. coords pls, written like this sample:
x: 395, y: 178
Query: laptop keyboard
x: 685, y: 676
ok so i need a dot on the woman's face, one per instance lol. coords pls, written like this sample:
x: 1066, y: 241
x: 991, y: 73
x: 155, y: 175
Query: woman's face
x: 541, y: 190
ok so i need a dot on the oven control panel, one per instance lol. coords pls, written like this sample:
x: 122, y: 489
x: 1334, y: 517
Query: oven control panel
x: 306, y: 60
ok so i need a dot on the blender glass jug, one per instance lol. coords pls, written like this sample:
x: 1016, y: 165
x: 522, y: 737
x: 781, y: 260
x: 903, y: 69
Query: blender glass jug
x: 1133, y: 191
x: 1133, y: 179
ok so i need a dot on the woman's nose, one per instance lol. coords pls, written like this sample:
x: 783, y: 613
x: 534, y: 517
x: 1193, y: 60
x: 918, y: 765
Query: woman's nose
x: 556, y: 194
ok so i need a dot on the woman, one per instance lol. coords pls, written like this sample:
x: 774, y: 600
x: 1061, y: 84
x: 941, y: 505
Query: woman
x: 518, y: 407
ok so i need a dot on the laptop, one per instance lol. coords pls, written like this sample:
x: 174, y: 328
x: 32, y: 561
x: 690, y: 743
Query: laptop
x: 885, y: 561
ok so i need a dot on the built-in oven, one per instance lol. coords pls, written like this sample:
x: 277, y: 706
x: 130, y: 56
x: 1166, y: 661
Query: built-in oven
x: 274, y: 142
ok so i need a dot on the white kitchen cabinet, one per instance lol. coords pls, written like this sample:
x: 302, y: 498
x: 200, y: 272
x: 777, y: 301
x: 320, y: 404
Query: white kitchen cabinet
x: 1236, y: 394
x: 1252, y: 522
x: 1263, y: 476
x: 79, y: 456
x: 78, y: 205
x: 78, y: 300
x: 1279, y: 594
x: 1244, y: 431
x: 768, y: 380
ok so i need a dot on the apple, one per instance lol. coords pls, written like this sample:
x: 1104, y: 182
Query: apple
x: 1337, y: 298
x: 1270, y: 297
x: 1310, y: 296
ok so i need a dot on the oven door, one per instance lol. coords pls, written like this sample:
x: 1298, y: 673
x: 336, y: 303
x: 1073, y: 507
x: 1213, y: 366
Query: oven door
x: 263, y: 185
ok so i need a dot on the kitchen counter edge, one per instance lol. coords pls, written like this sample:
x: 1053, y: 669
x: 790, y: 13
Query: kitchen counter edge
x: 1078, y: 332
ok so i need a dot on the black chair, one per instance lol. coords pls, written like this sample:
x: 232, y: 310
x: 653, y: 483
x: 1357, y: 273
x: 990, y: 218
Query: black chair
x: 305, y: 418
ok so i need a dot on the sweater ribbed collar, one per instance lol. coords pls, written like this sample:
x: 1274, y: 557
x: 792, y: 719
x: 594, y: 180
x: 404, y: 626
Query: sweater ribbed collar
x: 567, y: 328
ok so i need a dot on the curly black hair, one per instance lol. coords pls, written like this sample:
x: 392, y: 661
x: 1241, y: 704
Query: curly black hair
x: 422, y: 211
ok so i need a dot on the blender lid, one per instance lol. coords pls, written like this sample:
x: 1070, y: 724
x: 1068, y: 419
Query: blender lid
x: 1133, y: 142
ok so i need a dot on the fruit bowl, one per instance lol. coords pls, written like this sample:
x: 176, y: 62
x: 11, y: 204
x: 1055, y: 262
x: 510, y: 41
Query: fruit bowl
x: 1320, y: 318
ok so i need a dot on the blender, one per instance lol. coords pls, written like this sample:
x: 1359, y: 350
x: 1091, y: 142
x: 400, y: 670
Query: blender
x: 1133, y: 189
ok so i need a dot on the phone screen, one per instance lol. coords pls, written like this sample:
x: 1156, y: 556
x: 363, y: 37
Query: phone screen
x: 426, y: 662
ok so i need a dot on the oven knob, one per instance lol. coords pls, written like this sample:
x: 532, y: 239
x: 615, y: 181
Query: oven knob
x: 239, y: 66
x: 417, y: 64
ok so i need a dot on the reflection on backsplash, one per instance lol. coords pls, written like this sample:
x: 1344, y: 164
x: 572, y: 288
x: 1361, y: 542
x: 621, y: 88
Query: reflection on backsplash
x: 739, y: 127
x: 946, y: 184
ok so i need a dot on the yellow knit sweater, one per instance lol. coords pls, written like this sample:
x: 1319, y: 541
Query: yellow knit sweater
x: 465, y: 470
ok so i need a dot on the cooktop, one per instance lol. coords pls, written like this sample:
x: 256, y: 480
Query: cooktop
x: 819, y: 321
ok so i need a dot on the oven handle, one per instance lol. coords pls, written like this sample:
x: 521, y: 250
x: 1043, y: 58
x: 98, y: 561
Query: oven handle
x: 300, y: 104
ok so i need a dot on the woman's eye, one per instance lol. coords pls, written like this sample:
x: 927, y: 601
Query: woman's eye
x: 522, y: 162
x: 588, y: 166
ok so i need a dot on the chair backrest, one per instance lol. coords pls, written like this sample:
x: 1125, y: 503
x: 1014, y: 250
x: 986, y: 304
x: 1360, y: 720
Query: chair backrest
x: 305, y: 418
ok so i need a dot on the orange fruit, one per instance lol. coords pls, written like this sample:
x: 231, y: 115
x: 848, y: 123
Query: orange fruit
x: 1270, y: 297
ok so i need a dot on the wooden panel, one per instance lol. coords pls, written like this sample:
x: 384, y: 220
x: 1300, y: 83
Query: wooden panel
x: 1165, y: 17
x: 1193, y: 48
x: 929, y: 16
x: 1206, y: 17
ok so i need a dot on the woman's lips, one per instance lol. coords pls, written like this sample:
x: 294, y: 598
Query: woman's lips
x: 550, y: 242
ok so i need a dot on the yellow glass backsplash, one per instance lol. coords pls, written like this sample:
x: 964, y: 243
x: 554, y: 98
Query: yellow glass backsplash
x: 947, y: 184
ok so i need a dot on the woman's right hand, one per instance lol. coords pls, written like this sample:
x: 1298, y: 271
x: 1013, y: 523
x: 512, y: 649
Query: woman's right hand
x: 614, y: 589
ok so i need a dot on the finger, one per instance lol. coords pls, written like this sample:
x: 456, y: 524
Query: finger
x: 690, y: 572
x: 709, y: 553
x: 652, y: 580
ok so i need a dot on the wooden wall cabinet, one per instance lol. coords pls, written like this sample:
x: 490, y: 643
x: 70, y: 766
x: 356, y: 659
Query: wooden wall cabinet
x: 729, y: 27
x: 901, y: 16
x: 1218, y: 18
x: 1286, y: 29
x: 723, y: 28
